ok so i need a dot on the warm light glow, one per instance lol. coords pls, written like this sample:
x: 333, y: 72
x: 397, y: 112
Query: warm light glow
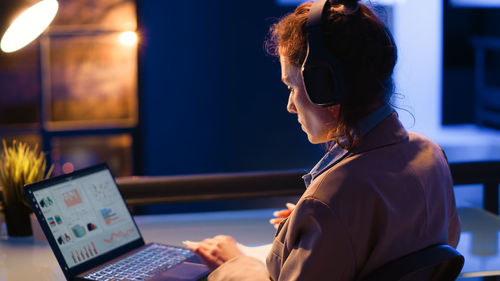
x: 29, y: 25
x: 68, y: 168
x: 128, y: 38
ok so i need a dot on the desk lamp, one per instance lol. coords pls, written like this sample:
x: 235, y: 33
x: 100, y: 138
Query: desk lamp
x: 22, y: 21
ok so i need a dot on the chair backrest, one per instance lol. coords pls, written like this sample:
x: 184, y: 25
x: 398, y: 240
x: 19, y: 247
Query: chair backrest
x: 435, y: 263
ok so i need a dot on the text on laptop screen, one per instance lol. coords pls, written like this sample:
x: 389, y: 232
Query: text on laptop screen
x: 87, y: 216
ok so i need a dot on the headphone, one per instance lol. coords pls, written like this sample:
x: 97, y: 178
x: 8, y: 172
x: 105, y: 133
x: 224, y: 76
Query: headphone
x: 321, y: 71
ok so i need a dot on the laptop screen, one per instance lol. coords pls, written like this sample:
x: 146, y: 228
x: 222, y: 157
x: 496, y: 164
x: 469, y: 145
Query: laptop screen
x: 86, y: 215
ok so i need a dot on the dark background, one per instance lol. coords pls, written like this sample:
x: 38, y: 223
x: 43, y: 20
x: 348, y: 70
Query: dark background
x: 460, y: 26
x: 212, y: 99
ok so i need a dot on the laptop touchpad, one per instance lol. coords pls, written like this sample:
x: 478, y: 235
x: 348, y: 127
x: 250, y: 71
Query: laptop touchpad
x: 185, y: 271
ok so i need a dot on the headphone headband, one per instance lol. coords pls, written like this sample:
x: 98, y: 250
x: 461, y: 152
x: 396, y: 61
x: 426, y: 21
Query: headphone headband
x: 316, y: 13
x: 321, y: 71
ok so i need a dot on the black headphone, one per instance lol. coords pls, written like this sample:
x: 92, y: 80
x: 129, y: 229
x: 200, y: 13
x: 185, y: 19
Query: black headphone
x: 321, y: 71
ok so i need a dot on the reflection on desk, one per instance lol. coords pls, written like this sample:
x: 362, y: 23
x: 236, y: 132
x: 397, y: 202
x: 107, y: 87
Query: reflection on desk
x: 479, y: 242
x: 25, y: 259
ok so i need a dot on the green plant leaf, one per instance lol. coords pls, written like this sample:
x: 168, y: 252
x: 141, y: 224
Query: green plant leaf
x: 20, y: 164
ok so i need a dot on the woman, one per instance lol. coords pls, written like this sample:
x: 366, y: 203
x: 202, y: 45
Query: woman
x: 380, y: 192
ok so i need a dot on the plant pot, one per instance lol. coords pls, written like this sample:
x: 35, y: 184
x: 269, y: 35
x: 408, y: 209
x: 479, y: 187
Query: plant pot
x: 38, y: 234
x: 17, y: 220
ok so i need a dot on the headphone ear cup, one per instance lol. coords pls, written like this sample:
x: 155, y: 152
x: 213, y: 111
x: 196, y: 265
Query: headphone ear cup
x: 322, y: 75
x: 321, y: 71
x: 321, y: 85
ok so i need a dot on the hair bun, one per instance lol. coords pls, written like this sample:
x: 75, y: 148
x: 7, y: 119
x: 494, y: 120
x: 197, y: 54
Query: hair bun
x: 345, y: 7
x: 347, y: 3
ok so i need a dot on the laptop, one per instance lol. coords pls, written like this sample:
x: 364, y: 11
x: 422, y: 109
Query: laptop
x: 94, y: 236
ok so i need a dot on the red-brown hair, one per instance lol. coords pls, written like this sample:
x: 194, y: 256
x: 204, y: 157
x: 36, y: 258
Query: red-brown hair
x: 362, y: 44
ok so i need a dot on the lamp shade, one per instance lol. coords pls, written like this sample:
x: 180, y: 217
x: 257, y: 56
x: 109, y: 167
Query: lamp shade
x: 22, y: 21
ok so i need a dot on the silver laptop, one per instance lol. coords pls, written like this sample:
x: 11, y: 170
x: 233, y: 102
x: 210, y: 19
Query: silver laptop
x: 94, y: 236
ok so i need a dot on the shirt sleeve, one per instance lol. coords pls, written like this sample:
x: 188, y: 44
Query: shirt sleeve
x: 242, y: 268
x: 453, y: 220
x: 316, y: 246
x: 312, y: 245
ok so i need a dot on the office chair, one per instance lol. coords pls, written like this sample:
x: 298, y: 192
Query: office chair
x: 435, y: 263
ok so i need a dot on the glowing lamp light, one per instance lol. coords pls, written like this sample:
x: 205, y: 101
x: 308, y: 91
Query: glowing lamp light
x: 128, y: 38
x: 28, y: 25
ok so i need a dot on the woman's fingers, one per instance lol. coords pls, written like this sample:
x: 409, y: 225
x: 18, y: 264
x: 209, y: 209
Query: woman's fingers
x: 209, y: 255
x: 280, y: 216
x: 223, y: 237
x: 282, y: 213
x: 205, y: 250
x: 276, y: 221
x: 215, y: 251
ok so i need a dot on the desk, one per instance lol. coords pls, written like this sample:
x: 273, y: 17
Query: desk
x: 479, y: 242
x: 25, y: 259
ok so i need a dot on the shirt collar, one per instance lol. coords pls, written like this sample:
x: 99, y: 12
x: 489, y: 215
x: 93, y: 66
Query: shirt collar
x: 337, y: 153
x: 374, y: 118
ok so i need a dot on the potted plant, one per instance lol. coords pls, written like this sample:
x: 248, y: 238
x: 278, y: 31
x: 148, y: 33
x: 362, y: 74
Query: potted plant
x: 2, y: 217
x: 20, y: 164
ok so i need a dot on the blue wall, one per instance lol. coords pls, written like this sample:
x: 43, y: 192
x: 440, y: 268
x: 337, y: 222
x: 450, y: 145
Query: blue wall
x: 212, y: 98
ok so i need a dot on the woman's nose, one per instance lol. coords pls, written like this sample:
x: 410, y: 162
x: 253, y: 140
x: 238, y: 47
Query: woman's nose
x: 291, y: 106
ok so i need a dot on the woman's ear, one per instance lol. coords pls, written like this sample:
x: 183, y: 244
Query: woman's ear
x: 335, y: 111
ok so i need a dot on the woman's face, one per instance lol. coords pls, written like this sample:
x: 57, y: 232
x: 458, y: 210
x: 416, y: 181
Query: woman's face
x: 316, y: 121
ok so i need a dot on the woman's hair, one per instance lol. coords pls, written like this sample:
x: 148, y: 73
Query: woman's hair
x: 363, y: 46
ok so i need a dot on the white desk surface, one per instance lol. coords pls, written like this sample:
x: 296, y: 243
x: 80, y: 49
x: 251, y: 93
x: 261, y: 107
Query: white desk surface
x: 27, y: 259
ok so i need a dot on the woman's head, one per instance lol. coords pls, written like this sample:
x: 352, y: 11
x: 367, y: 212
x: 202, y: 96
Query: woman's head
x: 316, y: 121
x: 362, y: 45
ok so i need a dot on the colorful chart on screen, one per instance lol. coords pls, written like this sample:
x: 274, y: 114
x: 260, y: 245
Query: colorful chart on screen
x: 87, y: 217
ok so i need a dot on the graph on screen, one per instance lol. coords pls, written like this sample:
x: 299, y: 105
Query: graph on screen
x: 118, y: 234
x: 72, y: 198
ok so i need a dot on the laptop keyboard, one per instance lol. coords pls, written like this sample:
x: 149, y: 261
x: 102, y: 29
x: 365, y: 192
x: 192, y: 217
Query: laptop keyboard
x: 143, y: 264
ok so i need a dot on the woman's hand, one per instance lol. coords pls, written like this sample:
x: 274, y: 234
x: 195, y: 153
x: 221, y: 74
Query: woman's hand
x: 281, y: 215
x: 215, y: 251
